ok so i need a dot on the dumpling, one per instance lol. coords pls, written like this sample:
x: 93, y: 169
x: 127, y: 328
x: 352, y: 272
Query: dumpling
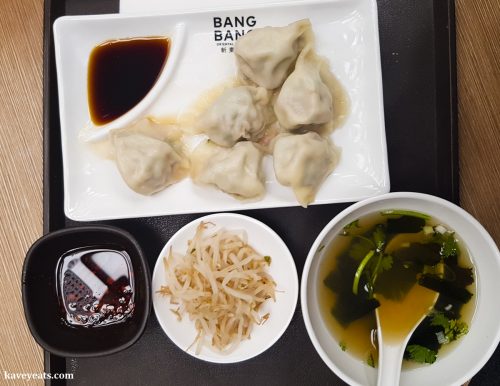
x: 236, y: 170
x: 304, y: 98
x: 162, y: 130
x: 303, y: 162
x: 266, y: 55
x: 147, y: 165
x: 240, y: 112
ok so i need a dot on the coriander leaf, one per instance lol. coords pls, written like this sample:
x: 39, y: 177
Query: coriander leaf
x: 343, y: 346
x: 439, y: 319
x: 456, y: 330
x: 386, y: 263
x: 348, y: 227
x: 267, y: 259
x: 354, y: 224
x: 378, y: 236
x: 449, y: 245
x: 421, y: 354
x: 453, y: 329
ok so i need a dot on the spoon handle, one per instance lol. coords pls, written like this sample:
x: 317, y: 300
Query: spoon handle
x: 389, y: 364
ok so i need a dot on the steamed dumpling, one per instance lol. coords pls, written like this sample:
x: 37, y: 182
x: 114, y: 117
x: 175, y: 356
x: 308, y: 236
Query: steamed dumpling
x: 303, y: 162
x: 240, y: 112
x: 146, y: 164
x: 304, y: 98
x: 266, y: 55
x: 236, y: 170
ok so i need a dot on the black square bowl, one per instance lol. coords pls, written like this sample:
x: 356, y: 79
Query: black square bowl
x: 42, y: 306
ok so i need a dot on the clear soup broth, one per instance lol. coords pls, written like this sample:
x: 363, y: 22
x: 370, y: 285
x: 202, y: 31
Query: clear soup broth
x: 396, y: 259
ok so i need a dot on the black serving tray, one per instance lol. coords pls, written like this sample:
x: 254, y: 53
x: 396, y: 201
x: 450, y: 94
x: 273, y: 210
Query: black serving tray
x: 417, y: 40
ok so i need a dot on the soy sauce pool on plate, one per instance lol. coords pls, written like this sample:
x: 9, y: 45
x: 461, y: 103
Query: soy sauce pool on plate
x: 121, y: 73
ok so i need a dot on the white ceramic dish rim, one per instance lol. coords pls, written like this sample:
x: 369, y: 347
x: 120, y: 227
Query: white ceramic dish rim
x: 293, y: 278
x: 482, y: 359
x: 80, y: 209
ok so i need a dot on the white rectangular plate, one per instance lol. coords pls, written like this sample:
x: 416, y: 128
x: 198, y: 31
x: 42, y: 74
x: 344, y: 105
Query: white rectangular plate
x: 346, y: 34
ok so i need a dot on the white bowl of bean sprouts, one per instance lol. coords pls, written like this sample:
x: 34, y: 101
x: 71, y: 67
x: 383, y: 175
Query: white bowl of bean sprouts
x: 225, y: 288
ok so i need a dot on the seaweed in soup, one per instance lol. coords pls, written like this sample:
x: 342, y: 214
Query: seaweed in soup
x: 387, y: 254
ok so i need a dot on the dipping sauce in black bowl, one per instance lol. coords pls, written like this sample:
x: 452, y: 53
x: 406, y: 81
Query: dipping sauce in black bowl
x: 95, y: 286
x: 86, y: 291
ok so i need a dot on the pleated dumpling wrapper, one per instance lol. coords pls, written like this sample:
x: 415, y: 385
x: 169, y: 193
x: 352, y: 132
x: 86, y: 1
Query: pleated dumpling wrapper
x: 303, y: 162
x: 236, y: 170
x: 146, y: 164
x: 266, y: 55
x: 240, y: 112
x: 305, y: 98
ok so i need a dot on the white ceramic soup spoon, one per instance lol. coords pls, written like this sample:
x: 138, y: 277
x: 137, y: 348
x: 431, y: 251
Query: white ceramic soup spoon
x: 395, y: 325
x: 397, y: 320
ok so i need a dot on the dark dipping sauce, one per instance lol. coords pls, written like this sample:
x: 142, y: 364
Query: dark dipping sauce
x: 121, y: 73
x: 95, y: 286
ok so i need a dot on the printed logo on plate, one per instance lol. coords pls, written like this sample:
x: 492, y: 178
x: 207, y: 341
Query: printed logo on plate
x: 227, y: 29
